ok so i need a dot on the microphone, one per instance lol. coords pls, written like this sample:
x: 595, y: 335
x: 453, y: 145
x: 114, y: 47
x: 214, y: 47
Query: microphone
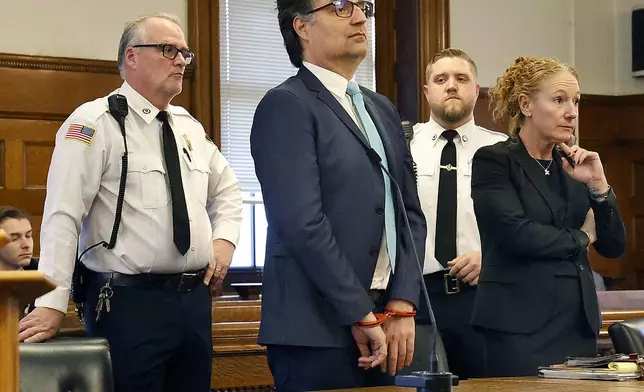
x: 408, y: 131
x: 118, y: 108
x: 431, y: 379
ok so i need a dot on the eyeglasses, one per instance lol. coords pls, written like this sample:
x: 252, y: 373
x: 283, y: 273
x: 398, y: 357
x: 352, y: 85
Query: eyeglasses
x: 344, y: 8
x: 170, y: 51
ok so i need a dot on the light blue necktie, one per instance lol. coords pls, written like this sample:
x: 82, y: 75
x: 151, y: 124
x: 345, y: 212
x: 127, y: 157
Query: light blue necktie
x: 376, y: 143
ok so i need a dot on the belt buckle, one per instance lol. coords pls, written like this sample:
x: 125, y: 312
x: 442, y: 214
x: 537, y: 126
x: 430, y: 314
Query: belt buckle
x: 452, y: 284
x: 184, y: 280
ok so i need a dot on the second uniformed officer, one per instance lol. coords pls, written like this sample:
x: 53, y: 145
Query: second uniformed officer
x: 443, y: 149
x: 181, y: 215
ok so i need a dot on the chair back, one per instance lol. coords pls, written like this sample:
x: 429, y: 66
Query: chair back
x: 66, y: 365
x: 628, y: 336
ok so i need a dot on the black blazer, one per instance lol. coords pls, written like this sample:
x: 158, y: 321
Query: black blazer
x: 524, y: 242
x: 324, y: 201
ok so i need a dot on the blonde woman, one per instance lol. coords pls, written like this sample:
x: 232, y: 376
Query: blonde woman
x: 539, y: 205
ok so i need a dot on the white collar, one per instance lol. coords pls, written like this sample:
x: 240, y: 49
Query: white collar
x: 139, y: 104
x: 334, y: 82
x: 465, y: 131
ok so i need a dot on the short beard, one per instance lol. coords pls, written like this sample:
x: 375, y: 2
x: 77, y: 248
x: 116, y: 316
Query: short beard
x: 453, y: 116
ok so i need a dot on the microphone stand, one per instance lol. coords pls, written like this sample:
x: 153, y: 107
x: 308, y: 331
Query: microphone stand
x: 430, y: 380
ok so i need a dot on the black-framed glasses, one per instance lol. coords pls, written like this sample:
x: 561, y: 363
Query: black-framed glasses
x: 170, y: 51
x: 344, y: 8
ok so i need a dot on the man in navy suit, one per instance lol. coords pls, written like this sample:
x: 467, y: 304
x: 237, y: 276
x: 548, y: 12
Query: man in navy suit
x: 338, y: 250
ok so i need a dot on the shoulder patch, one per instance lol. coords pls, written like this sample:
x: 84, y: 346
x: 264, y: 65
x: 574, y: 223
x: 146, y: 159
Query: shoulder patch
x: 81, y: 133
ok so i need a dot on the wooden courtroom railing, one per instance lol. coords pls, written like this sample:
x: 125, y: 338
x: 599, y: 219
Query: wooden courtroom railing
x: 240, y: 363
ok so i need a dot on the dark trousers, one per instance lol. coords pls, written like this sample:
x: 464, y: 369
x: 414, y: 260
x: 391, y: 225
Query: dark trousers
x: 160, y: 340
x: 464, y: 346
x: 297, y: 369
x: 567, y: 333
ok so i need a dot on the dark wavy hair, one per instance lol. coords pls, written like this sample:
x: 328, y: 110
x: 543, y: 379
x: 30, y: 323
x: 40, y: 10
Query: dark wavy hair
x: 287, y: 11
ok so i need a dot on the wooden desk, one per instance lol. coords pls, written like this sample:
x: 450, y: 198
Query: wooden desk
x: 529, y: 384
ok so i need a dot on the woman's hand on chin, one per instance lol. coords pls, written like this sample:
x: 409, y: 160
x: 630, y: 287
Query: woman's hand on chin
x: 587, y: 168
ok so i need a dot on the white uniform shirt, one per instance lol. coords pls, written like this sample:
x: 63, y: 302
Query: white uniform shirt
x: 82, y: 189
x: 337, y: 85
x: 426, y: 149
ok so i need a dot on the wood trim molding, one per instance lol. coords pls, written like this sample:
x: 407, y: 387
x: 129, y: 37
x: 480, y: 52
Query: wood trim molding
x: 8, y: 60
x: 65, y: 64
x: 433, y: 36
x: 613, y: 100
x: 200, y: 40
x: 215, y: 82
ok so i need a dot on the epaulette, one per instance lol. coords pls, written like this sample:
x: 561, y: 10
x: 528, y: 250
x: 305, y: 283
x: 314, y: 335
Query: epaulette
x: 181, y: 111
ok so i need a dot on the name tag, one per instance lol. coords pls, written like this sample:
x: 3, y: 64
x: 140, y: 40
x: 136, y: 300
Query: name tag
x: 468, y: 168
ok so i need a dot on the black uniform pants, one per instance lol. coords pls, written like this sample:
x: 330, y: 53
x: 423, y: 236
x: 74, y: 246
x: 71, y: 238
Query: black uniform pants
x: 464, y: 346
x: 160, y: 340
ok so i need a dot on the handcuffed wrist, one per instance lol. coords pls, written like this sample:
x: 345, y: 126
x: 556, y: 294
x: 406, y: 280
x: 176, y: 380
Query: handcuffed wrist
x: 382, y: 317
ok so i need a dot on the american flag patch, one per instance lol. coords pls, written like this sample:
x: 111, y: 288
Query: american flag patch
x: 80, y: 132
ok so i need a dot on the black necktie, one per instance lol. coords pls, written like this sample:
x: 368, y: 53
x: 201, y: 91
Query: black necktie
x: 446, y: 208
x: 180, y: 223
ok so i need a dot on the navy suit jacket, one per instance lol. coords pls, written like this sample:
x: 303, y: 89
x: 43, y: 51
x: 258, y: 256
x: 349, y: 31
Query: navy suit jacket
x: 324, y: 201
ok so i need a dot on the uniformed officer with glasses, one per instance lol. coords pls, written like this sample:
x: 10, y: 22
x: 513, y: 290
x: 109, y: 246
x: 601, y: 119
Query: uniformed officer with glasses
x: 181, y: 214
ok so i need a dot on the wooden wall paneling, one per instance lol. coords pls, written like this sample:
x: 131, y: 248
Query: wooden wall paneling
x: 611, y: 125
x: 405, y: 62
x: 29, y: 146
x: 386, y: 49
x: 215, y: 82
x: 433, y: 36
x: 420, y: 29
x: 483, y: 113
